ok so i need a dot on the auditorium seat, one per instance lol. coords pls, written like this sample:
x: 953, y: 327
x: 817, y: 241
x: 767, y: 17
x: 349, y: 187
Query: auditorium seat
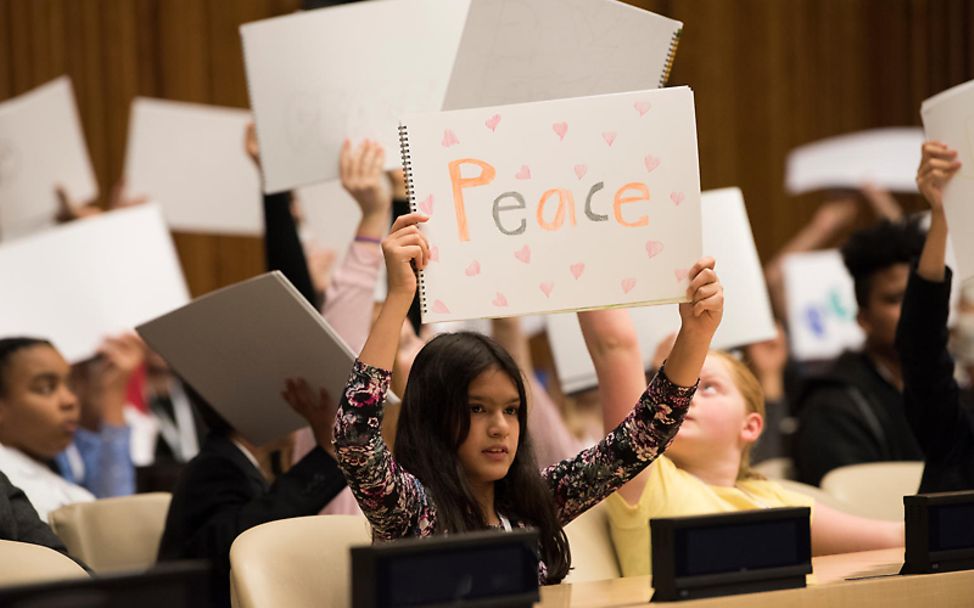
x: 593, y: 556
x: 25, y: 563
x: 114, y: 534
x: 875, y: 489
x: 301, y: 562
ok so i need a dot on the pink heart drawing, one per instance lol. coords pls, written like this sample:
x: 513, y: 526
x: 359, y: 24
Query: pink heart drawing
x: 547, y: 287
x: 628, y: 284
x: 653, y: 248
x: 560, y: 128
x: 609, y: 137
x: 681, y: 273
x: 523, y: 173
x: 651, y: 162
x: 449, y: 139
x: 577, y: 270
x: 440, y: 307
x: 473, y: 269
x: 677, y: 197
x: 499, y: 300
x: 580, y: 171
x: 492, y: 122
x: 524, y: 254
x: 434, y: 254
x: 642, y: 107
x: 426, y: 205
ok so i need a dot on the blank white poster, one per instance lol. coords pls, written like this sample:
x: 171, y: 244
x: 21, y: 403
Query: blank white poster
x: 886, y: 158
x: 78, y: 283
x: 41, y: 146
x: 949, y: 117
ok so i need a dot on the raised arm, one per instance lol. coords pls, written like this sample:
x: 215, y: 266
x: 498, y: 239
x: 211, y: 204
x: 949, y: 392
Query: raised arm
x: 391, y: 498
x: 348, y: 301
x: 930, y: 393
x: 643, y: 433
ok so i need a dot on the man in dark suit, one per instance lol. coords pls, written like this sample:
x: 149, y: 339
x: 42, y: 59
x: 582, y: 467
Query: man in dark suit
x: 222, y: 491
x: 19, y: 520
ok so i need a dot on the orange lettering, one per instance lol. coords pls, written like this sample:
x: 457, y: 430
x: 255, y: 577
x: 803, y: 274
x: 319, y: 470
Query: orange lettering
x: 565, y: 199
x: 620, y: 200
x: 486, y: 176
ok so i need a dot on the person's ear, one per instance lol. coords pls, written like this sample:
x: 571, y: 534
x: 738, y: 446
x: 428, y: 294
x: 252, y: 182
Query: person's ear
x: 863, y: 320
x: 752, y: 427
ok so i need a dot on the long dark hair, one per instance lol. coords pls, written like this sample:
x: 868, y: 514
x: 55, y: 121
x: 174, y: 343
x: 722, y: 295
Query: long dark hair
x: 10, y: 346
x: 434, y: 422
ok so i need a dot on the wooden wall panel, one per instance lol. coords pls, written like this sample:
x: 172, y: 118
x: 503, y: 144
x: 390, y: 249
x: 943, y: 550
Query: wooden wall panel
x: 768, y: 75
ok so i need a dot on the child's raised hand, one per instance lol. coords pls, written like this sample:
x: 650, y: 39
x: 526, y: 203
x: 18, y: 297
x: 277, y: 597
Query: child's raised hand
x: 937, y: 165
x: 703, y: 312
x: 406, y: 251
x: 364, y: 178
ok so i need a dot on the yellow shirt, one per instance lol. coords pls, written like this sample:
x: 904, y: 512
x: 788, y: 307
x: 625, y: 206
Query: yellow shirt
x: 671, y: 492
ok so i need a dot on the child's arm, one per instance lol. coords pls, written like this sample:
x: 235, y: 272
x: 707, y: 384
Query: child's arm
x: 930, y: 393
x: 348, y: 300
x: 392, y: 499
x: 644, y: 433
x: 836, y: 532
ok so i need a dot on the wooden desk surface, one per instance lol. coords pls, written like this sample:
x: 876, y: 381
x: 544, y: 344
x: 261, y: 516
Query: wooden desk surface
x: 865, y: 579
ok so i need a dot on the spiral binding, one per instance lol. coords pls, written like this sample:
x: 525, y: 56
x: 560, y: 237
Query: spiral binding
x: 407, y: 170
x: 670, y: 57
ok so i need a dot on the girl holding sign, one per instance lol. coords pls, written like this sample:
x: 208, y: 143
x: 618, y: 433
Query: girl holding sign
x: 462, y: 456
x: 706, y: 469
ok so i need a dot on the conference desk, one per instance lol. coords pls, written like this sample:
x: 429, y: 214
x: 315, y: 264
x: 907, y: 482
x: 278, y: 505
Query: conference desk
x: 867, y: 579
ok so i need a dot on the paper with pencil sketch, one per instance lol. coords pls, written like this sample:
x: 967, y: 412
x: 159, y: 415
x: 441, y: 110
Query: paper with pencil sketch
x: 41, y: 146
x: 320, y: 76
x: 747, y: 309
x: 949, y: 118
x: 821, y: 305
x: 78, y: 283
x: 238, y: 345
x: 313, y: 80
x: 516, y: 51
x: 886, y: 158
x: 559, y: 205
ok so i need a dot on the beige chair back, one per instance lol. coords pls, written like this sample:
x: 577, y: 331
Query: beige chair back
x: 25, y: 564
x: 114, y: 534
x: 593, y: 556
x: 302, y: 562
x: 776, y: 468
x: 875, y: 489
x: 815, y: 492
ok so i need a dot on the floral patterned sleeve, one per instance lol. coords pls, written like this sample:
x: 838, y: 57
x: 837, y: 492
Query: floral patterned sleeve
x: 580, y: 483
x: 394, y: 501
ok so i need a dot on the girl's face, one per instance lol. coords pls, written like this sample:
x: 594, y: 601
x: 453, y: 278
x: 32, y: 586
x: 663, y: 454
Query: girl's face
x: 488, y: 451
x: 718, y: 420
x: 38, y: 412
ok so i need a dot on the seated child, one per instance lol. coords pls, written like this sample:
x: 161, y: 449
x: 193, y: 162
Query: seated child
x: 41, y: 417
x: 463, y: 458
x: 705, y: 470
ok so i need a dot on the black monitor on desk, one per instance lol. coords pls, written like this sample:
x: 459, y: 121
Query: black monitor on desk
x: 728, y: 553
x: 171, y: 585
x: 476, y: 570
